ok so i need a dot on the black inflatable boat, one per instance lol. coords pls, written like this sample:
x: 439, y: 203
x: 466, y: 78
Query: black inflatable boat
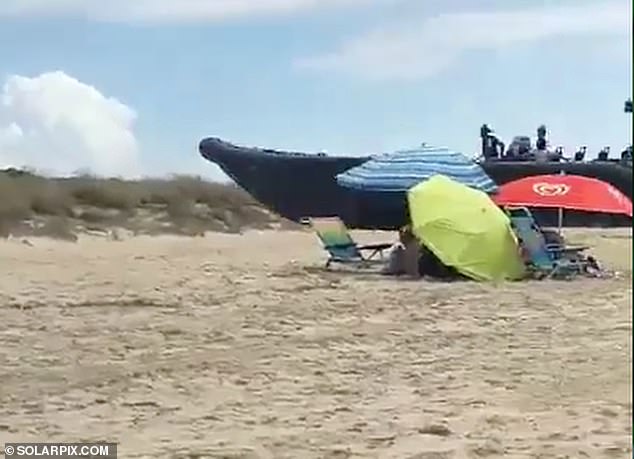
x: 297, y: 185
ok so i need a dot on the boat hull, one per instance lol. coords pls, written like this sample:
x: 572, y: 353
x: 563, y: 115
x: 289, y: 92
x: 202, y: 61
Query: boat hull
x: 298, y: 185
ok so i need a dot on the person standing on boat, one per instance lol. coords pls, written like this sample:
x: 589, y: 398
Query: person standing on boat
x: 604, y: 154
x: 541, y: 138
x: 488, y: 149
x: 581, y: 154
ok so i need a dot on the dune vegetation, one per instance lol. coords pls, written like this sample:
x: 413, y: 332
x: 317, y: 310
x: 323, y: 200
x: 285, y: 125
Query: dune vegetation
x: 34, y: 205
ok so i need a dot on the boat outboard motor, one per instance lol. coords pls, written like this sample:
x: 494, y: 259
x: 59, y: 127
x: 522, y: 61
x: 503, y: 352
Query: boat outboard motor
x: 626, y: 155
x: 580, y: 154
x: 604, y: 154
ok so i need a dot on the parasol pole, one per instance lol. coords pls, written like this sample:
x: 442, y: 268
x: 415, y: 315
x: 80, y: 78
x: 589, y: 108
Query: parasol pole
x: 560, y: 212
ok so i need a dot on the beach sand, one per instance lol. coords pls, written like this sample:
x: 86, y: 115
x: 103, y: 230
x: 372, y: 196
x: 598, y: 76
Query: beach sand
x: 241, y: 346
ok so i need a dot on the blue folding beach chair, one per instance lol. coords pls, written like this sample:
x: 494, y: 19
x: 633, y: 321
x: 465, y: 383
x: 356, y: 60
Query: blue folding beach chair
x: 341, y: 247
x: 545, y: 260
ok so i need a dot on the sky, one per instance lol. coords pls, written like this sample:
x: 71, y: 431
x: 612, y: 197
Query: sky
x: 129, y: 87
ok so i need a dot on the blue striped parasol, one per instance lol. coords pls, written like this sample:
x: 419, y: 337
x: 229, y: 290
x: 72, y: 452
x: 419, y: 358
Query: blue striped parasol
x: 403, y: 169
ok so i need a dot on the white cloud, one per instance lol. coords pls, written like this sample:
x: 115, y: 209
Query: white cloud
x: 57, y: 124
x: 168, y: 10
x: 422, y: 48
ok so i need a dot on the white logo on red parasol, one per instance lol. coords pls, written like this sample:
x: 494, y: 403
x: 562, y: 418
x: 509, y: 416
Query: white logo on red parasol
x: 551, y: 189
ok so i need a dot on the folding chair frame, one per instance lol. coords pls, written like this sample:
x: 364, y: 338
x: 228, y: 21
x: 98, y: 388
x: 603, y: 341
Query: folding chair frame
x: 358, y: 257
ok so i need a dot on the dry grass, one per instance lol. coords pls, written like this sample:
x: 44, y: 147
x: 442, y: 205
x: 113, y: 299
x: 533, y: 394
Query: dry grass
x: 61, y: 207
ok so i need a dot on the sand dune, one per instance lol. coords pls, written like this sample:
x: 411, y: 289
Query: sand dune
x: 240, y: 346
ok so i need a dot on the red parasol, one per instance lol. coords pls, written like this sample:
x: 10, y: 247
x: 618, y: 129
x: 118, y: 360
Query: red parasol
x: 573, y: 192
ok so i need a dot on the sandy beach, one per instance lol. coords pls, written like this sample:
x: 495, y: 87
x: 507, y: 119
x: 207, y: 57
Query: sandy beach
x: 241, y: 346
